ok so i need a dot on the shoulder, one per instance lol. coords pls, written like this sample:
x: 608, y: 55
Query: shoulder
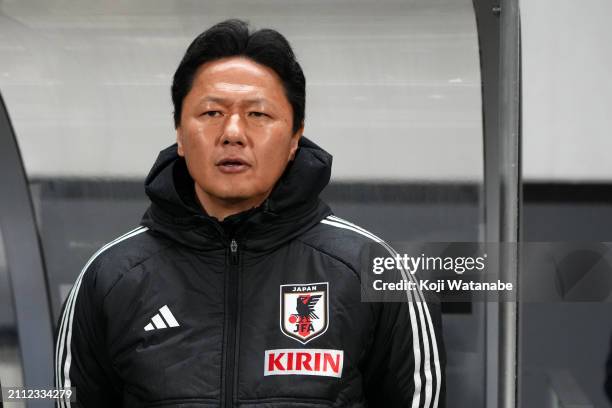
x: 342, y: 239
x: 117, y: 257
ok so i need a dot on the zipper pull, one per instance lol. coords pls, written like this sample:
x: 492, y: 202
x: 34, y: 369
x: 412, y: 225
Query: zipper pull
x: 234, y: 252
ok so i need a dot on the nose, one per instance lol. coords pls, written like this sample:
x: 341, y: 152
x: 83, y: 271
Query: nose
x: 234, y: 132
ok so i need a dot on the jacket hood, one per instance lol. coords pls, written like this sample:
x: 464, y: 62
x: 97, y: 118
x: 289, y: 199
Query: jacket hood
x: 292, y: 208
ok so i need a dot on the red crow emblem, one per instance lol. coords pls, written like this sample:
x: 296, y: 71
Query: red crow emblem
x: 304, y: 310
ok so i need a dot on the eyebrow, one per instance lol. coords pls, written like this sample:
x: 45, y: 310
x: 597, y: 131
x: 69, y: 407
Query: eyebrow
x: 224, y: 101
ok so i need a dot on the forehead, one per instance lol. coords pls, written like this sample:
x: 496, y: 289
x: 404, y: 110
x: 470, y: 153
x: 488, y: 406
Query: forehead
x: 237, y: 76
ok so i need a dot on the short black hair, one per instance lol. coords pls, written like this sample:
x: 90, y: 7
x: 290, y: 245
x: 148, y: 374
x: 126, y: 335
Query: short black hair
x: 233, y: 38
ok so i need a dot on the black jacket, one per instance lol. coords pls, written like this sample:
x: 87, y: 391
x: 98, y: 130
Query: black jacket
x: 261, y: 310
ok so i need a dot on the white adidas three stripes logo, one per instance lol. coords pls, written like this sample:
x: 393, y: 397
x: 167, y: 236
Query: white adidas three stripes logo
x: 159, y: 323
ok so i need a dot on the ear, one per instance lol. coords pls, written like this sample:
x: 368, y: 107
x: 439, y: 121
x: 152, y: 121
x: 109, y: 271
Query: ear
x: 295, y: 139
x: 179, y: 142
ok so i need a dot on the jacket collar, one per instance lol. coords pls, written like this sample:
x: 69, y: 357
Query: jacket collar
x: 292, y: 208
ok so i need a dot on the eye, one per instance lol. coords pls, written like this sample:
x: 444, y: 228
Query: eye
x: 258, y: 114
x: 212, y: 114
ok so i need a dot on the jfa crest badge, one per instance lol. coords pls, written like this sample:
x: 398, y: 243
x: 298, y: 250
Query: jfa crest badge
x: 304, y: 310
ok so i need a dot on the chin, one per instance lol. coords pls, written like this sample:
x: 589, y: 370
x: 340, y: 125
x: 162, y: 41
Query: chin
x: 237, y: 195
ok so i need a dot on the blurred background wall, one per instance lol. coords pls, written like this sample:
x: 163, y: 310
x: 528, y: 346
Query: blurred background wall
x: 567, y: 129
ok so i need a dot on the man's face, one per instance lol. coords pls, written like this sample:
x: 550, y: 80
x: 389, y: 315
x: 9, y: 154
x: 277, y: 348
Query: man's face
x: 236, y: 131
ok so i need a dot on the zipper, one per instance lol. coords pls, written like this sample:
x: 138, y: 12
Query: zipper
x: 232, y: 322
x: 234, y: 252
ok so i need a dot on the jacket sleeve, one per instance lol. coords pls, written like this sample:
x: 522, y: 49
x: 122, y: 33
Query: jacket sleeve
x: 81, y: 360
x: 405, y: 366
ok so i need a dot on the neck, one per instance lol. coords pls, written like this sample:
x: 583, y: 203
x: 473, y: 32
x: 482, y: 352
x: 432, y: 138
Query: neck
x: 220, y: 208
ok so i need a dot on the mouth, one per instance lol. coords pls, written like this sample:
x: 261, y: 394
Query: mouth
x: 232, y: 165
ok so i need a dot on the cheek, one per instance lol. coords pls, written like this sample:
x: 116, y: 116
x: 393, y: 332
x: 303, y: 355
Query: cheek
x: 274, y: 160
x: 276, y: 149
x: 198, y: 152
x: 196, y: 141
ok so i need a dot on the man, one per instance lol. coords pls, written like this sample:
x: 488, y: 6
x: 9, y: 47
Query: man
x: 241, y: 288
